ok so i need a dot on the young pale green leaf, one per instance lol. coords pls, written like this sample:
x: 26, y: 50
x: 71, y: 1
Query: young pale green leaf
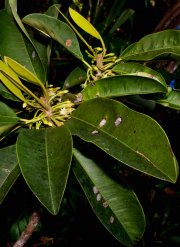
x: 22, y: 72
x: 172, y: 100
x: 84, y: 24
x: 153, y: 45
x: 55, y: 29
x: 129, y: 136
x: 76, y: 77
x: 114, y: 203
x: 10, y: 80
x: 44, y: 157
x: 9, y: 170
x: 139, y: 70
x: 122, y: 85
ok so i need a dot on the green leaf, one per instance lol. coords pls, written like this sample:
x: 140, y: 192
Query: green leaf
x: 44, y: 157
x: 125, y: 15
x: 139, y: 70
x: 172, y: 100
x: 22, y: 72
x: 10, y: 80
x: 13, y: 44
x: 153, y: 45
x: 122, y: 85
x: 13, y: 6
x: 4, y: 92
x: 39, y: 50
x: 114, y: 11
x: 129, y: 136
x: 84, y: 24
x: 76, y: 77
x: 55, y: 29
x: 114, y: 203
x: 8, y: 118
x: 53, y: 10
x: 9, y: 170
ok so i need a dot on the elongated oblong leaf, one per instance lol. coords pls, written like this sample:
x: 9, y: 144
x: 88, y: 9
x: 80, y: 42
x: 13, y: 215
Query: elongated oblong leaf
x: 84, y: 24
x: 125, y: 15
x: 9, y: 170
x: 115, y: 204
x: 172, y: 100
x: 8, y: 118
x: 4, y: 92
x: 139, y: 70
x: 10, y: 80
x: 14, y: 45
x: 129, y: 136
x: 55, y: 29
x: 21, y: 71
x: 76, y: 77
x: 44, y: 157
x: 121, y: 85
x: 153, y: 45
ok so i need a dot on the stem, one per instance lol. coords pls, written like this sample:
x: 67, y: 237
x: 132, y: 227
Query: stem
x: 26, y: 234
x: 103, y: 46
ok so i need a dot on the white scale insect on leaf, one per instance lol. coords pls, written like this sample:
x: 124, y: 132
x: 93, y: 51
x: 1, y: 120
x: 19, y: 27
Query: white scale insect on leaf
x: 103, y: 122
x: 111, y: 220
x: 95, y: 190
x: 98, y: 197
x: 118, y: 121
x: 94, y: 132
x: 33, y: 55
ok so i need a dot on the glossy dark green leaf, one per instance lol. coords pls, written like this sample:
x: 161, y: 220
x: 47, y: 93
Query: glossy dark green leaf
x: 8, y: 118
x: 129, y: 136
x: 9, y: 170
x: 172, y: 100
x: 153, y: 45
x: 13, y: 43
x: 44, y: 157
x: 116, y: 86
x: 114, y: 203
x: 4, y: 92
x: 55, y: 29
x: 53, y: 10
x: 139, y: 70
x: 76, y: 77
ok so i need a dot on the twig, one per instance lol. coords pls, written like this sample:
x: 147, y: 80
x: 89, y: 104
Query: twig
x: 26, y: 234
x: 171, y: 18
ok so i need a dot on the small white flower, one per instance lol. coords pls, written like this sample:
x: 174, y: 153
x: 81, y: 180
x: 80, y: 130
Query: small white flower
x: 63, y: 111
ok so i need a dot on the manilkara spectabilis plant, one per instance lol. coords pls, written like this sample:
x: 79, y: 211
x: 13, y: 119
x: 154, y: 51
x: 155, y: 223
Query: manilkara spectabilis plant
x: 40, y: 121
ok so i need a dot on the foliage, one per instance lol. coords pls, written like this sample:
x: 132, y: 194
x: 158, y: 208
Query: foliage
x: 43, y: 125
